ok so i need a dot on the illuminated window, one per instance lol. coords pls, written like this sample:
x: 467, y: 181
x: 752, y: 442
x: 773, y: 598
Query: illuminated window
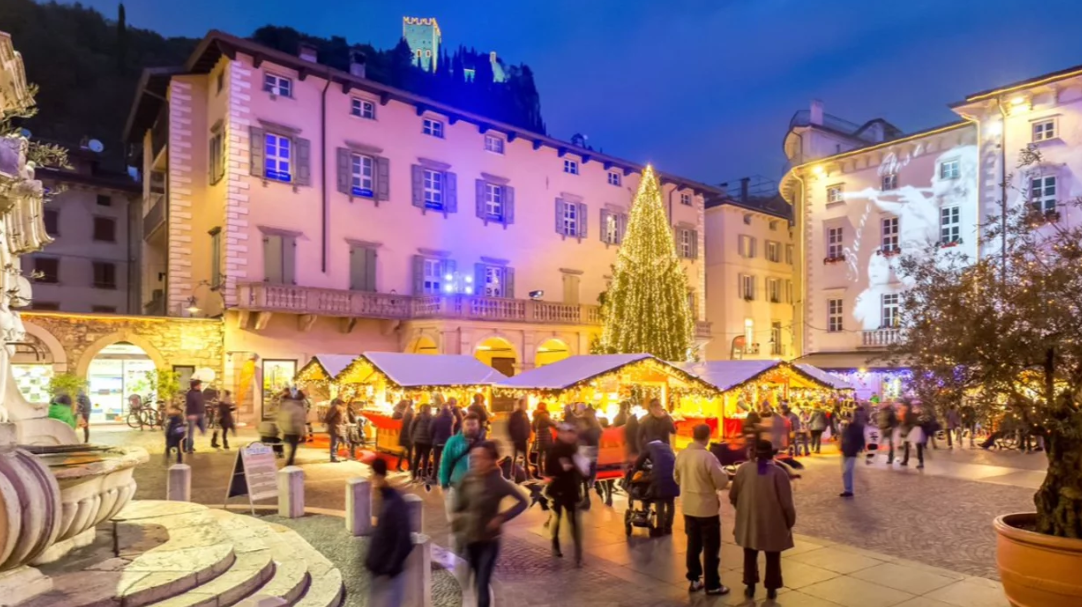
x: 277, y: 85
x: 494, y: 201
x: 834, y: 242
x: 433, y: 128
x: 835, y: 193
x: 834, y: 315
x: 950, y: 169
x: 890, y: 182
x: 494, y: 281
x: 611, y: 229
x: 749, y: 331
x: 891, y: 310
x: 889, y: 241
x: 746, y: 246
x: 432, y: 277
x: 775, y: 338
x: 433, y: 184
x: 571, y: 166
x: 773, y: 251
x: 950, y: 224
x: 363, y: 108
x: 685, y: 244
x: 1042, y: 194
x: 614, y: 178
x: 773, y: 290
x: 570, y: 217
x: 493, y: 144
x: 1044, y: 130
x: 685, y: 199
x: 747, y: 286
x: 362, y: 175
x: 277, y: 157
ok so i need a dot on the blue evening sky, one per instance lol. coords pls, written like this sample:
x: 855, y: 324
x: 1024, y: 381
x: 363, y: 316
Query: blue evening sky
x: 703, y: 88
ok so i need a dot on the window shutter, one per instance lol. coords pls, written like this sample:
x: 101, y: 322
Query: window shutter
x: 383, y: 178
x: 303, y: 160
x: 450, y: 192
x: 751, y: 247
x: 417, y: 177
x: 257, y: 152
x: 740, y: 285
x: 559, y: 216
x: 621, y: 227
x: 604, y: 223
x: 694, y: 244
x: 289, y: 260
x: 358, y: 279
x: 508, y: 205
x: 418, y: 275
x: 479, y: 278
x: 480, y: 189
x: 509, y: 283
x: 272, y: 258
x: 370, y: 270
x: 345, y: 171
x: 581, y: 217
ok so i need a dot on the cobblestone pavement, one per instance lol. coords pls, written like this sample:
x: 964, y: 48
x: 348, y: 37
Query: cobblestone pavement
x: 902, y: 524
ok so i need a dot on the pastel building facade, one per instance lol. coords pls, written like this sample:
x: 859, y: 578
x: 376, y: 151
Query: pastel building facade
x: 861, y: 200
x: 316, y: 211
x: 750, y: 259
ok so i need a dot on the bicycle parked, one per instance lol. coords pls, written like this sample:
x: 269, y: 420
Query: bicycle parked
x: 141, y: 413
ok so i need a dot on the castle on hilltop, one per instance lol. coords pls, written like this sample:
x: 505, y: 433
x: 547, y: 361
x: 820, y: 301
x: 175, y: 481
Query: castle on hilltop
x: 424, y: 38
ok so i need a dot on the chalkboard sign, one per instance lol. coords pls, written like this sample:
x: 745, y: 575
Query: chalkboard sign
x: 255, y: 474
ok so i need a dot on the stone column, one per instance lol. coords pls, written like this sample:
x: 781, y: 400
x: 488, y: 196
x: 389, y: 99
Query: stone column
x: 291, y: 492
x: 416, y: 512
x: 179, y: 488
x: 418, y: 573
x: 358, y: 506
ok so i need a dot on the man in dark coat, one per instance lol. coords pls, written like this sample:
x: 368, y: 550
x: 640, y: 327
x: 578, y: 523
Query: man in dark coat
x: 518, y: 427
x: 663, y: 487
x: 391, y: 543
x: 565, y: 476
x: 405, y: 439
x: 195, y: 409
x: 656, y: 426
x: 442, y: 429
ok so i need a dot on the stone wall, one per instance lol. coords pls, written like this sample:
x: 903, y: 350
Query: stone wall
x: 75, y: 339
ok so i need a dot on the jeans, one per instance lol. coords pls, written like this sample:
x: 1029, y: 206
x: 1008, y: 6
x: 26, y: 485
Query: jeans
x: 665, y: 513
x: 704, y: 537
x: 920, y: 454
x: 194, y: 421
x: 848, y: 465
x: 558, y: 508
x: 816, y: 440
x: 437, y: 454
x: 800, y: 440
x: 292, y: 440
x: 887, y: 434
x: 542, y: 456
x: 387, y: 591
x: 420, y: 460
x: 171, y: 444
x: 336, y: 442
x: 773, y: 569
x: 520, y: 447
x: 482, y: 559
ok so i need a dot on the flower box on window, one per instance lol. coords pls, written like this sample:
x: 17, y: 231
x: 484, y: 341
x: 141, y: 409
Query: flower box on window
x: 888, y: 251
x: 749, y: 298
x: 949, y: 243
x: 830, y: 260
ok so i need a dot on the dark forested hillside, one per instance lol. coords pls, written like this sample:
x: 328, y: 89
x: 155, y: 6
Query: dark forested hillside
x: 87, y: 66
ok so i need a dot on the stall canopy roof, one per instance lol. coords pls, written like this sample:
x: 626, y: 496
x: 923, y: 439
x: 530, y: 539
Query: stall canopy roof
x: 825, y: 377
x: 575, y: 370
x: 410, y: 370
x: 728, y: 374
x: 332, y: 364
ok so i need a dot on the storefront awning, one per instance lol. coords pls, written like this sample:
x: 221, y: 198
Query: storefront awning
x: 575, y: 371
x: 727, y: 375
x: 324, y: 367
x: 422, y: 371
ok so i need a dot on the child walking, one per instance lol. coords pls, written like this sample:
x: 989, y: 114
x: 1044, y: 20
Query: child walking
x: 175, y: 427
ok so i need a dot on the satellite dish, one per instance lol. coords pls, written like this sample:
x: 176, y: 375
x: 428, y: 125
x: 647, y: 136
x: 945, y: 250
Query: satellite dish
x: 25, y: 133
x: 95, y: 146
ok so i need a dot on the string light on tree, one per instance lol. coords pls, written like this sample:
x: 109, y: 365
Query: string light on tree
x: 646, y: 310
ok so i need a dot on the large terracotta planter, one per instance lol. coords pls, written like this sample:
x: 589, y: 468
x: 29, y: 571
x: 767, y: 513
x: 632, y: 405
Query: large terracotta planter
x: 1037, y: 570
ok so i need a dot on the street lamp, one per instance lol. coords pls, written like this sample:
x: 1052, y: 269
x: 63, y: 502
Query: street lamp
x: 453, y: 282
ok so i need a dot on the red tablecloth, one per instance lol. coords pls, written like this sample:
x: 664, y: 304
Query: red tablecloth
x: 383, y: 422
x: 686, y: 426
x: 732, y: 427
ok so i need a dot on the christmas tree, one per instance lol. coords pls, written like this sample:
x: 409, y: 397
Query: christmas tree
x: 646, y: 309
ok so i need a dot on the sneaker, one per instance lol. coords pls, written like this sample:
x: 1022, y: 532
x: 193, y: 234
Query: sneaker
x: 696, y: 586
x: 846, y: 494
x: 719, y: 591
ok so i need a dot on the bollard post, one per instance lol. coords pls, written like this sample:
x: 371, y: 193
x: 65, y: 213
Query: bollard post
x: 418, y: 573
x: 416, y: 509
x: 291, y: 492
x: 358, y: 506
x: 179, y: 488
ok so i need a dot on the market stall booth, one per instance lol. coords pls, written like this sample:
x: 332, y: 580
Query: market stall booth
x: 318, y: 379
x: 604, y: 381
x: 746, y: 385
x: 376, y: 381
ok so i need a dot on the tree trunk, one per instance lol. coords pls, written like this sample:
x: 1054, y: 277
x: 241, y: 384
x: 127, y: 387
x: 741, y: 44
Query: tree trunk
x: 1059, y: 500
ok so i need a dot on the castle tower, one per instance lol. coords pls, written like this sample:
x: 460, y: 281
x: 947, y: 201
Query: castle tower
x: 423, y: 36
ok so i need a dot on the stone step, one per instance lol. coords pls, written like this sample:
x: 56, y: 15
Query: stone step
x: 150, y: 551
x: 325, y: 588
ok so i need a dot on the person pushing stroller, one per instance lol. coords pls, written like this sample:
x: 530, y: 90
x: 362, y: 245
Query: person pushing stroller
x: 652, y: 482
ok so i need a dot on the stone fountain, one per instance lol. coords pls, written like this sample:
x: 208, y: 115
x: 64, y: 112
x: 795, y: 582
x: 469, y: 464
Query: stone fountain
x: 53, y: 491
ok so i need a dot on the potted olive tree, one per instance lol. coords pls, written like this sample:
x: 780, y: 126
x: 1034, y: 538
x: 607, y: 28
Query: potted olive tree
x: 1006, y: 331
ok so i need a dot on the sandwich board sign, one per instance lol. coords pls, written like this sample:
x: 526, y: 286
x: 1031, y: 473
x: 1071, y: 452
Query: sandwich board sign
x: 255, y: 474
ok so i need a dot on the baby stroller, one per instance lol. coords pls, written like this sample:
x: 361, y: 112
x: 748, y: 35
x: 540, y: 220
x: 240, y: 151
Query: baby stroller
x: 640, y: 504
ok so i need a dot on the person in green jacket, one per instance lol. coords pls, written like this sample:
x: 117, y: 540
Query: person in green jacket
x: 455, y: 461
x: 60, y: 409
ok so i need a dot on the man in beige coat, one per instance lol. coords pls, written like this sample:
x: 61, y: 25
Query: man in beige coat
x: 700, y: 477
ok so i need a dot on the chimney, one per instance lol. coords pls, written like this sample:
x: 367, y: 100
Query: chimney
x: 307, y: 52
x: 815, y: 116
x: 744, y: 181
x: 357, y: 62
